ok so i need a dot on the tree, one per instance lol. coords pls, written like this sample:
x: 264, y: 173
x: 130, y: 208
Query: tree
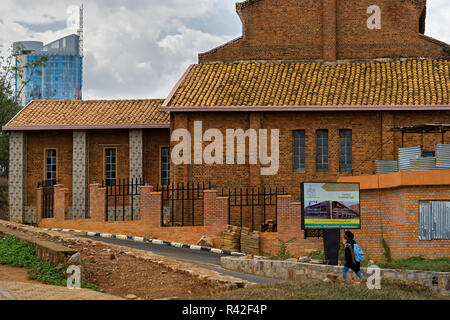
x: 9, y: 94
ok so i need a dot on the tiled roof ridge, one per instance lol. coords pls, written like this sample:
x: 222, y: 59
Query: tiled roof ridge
x: 97, y: 100
x: 381, y: 60
x: 247, y: 3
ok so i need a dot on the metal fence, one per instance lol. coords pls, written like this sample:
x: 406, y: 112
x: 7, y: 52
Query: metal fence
x: 48, y: 198
x: 182, y: 204
x: 254, y: 208
x: 123, y: 199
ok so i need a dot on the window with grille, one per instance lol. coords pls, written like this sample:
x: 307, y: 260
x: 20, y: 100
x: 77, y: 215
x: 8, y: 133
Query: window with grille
x: 50, y: 166
x: 322, y: 150
x: 110, y: 166
x: 345, y: 158
x: 165, y: 166
x: 299, y: 151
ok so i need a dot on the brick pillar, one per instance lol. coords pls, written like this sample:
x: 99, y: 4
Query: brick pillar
x: 39, y: 213
x: 17, y: 198
x: 60, y: 205
x: 181, y: 173
x: 215, y: 211
x: 150, y: 208
x: 329, y: 30
x: 79, y: 192
x: 97, y: 201
x: 289, y: 217
x: 254, y: 174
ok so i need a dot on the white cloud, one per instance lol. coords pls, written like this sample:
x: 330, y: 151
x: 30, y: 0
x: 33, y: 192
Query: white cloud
x: 140, y: 48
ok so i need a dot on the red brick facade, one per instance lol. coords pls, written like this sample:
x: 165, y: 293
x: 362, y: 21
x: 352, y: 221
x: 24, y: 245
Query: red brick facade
x: 372, y: 140
x: 327, y: 30
x: 97, y: 140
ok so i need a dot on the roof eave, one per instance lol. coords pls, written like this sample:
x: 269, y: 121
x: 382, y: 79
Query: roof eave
x: 87, y: 127
x: 307, y: 108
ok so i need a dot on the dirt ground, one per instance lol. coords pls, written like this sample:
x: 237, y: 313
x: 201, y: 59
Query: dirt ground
x: 8, y: 273
x: 120, y: 274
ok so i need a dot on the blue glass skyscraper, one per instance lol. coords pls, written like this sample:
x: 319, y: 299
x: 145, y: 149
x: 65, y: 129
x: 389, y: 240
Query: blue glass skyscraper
x: 59, y: 78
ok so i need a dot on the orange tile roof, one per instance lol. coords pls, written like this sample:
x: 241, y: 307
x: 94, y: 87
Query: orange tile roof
x: 56, y: 114
x: 372, y: 83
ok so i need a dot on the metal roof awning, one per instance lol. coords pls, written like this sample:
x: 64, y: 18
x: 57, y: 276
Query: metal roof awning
x: 423, y: 129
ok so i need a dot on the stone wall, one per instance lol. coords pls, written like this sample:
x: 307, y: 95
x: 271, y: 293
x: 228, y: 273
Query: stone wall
x: 287, y: 270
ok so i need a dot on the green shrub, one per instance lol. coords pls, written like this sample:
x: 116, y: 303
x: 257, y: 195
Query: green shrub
x: 387, y: 250
x: 283, y: 253
x: 21, y: 254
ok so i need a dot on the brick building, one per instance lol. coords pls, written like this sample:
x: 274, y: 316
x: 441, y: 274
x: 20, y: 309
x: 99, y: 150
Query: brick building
x: 76, y: 142
x: 333, y: 76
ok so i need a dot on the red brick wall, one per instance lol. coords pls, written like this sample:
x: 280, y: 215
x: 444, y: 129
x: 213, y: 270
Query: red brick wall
x: 38, y: 141
x: 372, y: 140
x: 328, y: 29
x: 393, y: 211
x: 275, y: 30
x: 36, y: 144
x: 396, y: 213
x: 215, y: 217
x: 154, y: 139
x: 98, y: 141
x: 398, y: 37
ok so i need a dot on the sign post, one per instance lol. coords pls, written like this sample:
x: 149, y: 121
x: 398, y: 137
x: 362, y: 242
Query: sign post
x: 331, y: 207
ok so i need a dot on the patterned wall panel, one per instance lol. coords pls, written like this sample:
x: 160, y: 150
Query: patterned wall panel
x: 16, y: 176
x: 78, y: 209
x: 136, y: 154
x: 136, y: 163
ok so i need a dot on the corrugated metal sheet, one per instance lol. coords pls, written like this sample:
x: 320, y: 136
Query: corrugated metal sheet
x: 422, y: 164
x: 443, y: 156
x: 425, y: 225
x: 434, y: 220
x: 405, y: 155
x: 440, y: 219
x: 386, y: 166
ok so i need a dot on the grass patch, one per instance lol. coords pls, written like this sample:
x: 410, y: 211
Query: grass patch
x: 21, y: 254
x: 418, y: 263
x: 392, y: 289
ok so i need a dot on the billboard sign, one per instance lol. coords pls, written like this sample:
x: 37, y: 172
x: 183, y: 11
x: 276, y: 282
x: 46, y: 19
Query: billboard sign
x: 331, y: 206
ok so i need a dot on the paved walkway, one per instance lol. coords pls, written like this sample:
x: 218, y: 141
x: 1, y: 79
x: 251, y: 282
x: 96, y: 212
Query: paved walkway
x: 28, y: 291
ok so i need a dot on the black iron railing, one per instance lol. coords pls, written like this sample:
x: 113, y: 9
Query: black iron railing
x: 255, y: 208
x: 48, y: 198
x: 122, y: 199
x: 182, y: 204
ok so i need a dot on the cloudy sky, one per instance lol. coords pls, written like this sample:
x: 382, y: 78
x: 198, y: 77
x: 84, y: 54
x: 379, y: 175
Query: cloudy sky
x: 139, y: 48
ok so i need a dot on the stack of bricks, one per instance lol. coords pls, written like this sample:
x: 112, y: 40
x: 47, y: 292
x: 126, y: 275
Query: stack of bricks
x: 230, y: 239
x: 250, y: 241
